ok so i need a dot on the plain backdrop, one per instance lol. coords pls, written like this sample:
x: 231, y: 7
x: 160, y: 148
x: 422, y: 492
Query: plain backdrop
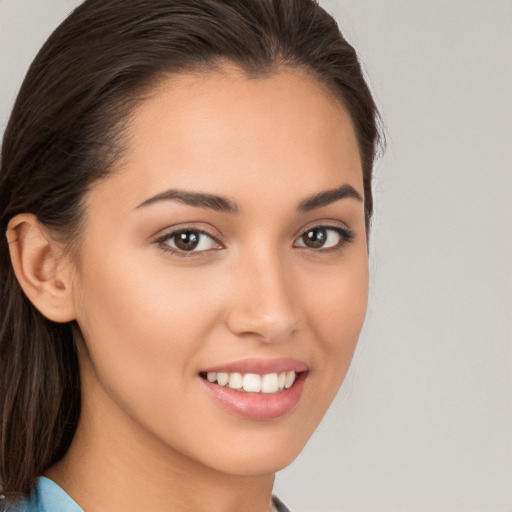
x: 424, y: 420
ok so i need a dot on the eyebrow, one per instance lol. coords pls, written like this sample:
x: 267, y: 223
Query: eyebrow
x: 329, y: 196
x: 197, y: 199
x: 224, y: 204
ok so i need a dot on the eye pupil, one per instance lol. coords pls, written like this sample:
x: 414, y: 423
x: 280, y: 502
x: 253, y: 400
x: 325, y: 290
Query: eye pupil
x: 186, y: 240
x: 314, y: 238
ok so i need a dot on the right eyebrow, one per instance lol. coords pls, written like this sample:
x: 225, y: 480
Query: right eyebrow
x: 197, y: 199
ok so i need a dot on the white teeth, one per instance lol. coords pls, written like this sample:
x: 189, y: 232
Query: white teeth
x: 252, y: 382
x: 222, y: 379
x: 290, y: 379
x: 270, y: 383
x: 235, y: 380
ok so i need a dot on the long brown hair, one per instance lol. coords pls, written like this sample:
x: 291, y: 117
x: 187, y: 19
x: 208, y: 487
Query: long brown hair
x: 65, y: 132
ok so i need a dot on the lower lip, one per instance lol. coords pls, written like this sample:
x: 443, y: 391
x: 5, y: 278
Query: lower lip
x: 257, y: 406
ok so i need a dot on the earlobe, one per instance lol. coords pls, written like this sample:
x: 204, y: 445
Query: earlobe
x: 36, y: 260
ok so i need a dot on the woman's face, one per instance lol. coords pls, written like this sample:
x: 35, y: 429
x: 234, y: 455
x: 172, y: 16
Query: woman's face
x: 229, y: 245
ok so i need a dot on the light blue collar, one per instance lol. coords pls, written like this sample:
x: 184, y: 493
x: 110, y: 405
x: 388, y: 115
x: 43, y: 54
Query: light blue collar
x: 48, y: 497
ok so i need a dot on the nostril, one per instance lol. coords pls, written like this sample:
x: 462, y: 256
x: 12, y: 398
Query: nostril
x: 268, y: 328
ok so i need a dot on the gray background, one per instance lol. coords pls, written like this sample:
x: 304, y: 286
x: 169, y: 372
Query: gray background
x: 424, y: 420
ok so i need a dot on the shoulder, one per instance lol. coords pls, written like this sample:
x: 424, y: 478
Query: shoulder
x: 278, y: 505
x: 23, y: 505
x: 47, y: 496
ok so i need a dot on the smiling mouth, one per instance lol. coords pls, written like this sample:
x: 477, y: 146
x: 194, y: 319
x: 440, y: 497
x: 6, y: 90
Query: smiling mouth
x: 268, y: 383
x: 257, y: 389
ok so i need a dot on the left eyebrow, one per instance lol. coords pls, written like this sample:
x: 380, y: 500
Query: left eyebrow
x: 329, y: 196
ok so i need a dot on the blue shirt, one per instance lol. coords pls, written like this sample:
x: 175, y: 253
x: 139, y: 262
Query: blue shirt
x: 47, y: 497
x: 50, y: 497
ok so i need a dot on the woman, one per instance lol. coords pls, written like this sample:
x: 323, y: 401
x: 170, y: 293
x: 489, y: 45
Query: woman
x: 186, y: 191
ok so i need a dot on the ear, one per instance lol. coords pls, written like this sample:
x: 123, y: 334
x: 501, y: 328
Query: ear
x: 40, y: 269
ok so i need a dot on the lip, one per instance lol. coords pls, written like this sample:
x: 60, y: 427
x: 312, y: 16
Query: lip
x: 260, y: 366
x: 258, y: 406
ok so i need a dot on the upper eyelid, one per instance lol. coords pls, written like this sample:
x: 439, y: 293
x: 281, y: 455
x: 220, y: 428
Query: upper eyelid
x: 172, y: 231
x: 325, y: 223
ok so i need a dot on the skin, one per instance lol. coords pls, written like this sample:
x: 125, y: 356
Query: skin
x: 151, y: 320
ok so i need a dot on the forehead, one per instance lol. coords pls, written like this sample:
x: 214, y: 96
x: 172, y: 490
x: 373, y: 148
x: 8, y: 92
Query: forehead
x: 219, y: 130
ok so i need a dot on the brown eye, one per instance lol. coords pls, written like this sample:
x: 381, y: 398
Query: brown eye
x: 186, y: 240
x: 314, y: 238
x: 191, y: 241
x: 325, y: 237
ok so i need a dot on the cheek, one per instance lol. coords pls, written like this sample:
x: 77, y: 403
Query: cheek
x: 337, y: 309
x: 339, y: 298
x: 139, y: 321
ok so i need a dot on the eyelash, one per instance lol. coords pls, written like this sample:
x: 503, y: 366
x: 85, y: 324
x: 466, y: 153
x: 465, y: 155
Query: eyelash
x: 346, y: 237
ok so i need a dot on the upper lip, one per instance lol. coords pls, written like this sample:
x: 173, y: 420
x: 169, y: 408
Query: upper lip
x: 260, y: 366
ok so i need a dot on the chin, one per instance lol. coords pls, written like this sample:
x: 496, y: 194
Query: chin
x: 258, y: 455
x: 258, y: 464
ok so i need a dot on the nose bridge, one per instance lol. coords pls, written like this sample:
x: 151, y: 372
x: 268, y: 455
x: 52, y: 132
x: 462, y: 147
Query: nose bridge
x: 264, y: 303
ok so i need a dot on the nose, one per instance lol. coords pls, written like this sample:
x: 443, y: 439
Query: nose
x: 263, y: 303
